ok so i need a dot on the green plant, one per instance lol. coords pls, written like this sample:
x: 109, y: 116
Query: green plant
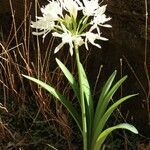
x: 74, y: 32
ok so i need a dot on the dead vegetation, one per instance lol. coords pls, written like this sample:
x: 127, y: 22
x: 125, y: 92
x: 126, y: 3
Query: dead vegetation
x: 29, y: 117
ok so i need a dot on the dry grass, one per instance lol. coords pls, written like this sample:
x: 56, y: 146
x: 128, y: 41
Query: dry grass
x: 27, y: 111
x: 21, y: 53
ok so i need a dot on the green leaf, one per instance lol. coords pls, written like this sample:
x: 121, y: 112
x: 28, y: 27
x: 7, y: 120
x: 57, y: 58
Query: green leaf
x: 70, y: 78
x: 103, y: 103
x: 98, y: 129
x: 103, y: 94
x: 105, y: 133
x: 86, y: 89
x: 61, y: 98
x: 88, y: 101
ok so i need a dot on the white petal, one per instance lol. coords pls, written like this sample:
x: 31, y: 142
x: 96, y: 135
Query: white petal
x: 71, y: 48
x: 101, y: 10
x: 106, y: 25
x: 58, y: 47
x: 56, y: 34
x: 79, y: 3
x: 66, y: 38
x: 94, y: 26
x: 53, y: 9
x: 38, y: 33
x: 72, y: 7
x: 45, y: 34
x: 86, y: 44
x: 91, y: 37
x: 103, y: 38
x: 97, y: 45
x: 98, y: 30
x: 90, y: 7
x: 43, y: 23
x: 64, y: 28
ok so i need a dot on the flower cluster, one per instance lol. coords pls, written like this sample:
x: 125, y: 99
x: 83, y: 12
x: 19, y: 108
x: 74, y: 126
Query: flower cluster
x: 73, y: 21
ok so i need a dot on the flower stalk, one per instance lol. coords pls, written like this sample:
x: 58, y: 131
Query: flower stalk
x: 83, y: 110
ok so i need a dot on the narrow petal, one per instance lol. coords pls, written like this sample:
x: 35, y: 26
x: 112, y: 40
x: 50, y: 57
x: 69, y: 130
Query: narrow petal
x: 90, y: 7
x: 72, y: 7
x: 101, y: 10
x: 71, y: 48
x: 58, y: 47
x: 103, y: 38
x: 86, y: 44
x: 56, y: 34
x: 91, y: 37
x: 64, y: 28
x: 79, y: 3
x: 38, y: 33
x: 106, y: 25
x: 97, y: 45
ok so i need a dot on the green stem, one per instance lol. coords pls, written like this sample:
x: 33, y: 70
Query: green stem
x: 84, y: 121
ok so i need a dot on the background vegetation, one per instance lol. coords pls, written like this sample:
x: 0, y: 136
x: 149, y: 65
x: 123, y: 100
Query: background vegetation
x: 31, y: 118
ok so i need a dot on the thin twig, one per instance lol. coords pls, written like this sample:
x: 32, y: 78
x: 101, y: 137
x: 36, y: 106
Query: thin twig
x: 145, y: 61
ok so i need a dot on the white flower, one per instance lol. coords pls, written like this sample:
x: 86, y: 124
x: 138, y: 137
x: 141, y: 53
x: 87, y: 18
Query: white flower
x: 71, y: 6
x: 100, y: 19
x: 53, y: 10
x: 91, y: 37
x: 44, y: 25
x: 90, y: 7
x: 51, y: 13
x: 101, y: 10
x: 67, y: 38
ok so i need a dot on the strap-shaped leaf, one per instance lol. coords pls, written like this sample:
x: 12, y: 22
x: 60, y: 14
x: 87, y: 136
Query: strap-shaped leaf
x: 104, y: 91
x: 88, y: 101
x: 70, y: 78
x: 98, y: 129
x: 61, y: 98
x: 106, y: 100
x: 105, y: 133
x: 86, y: 89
